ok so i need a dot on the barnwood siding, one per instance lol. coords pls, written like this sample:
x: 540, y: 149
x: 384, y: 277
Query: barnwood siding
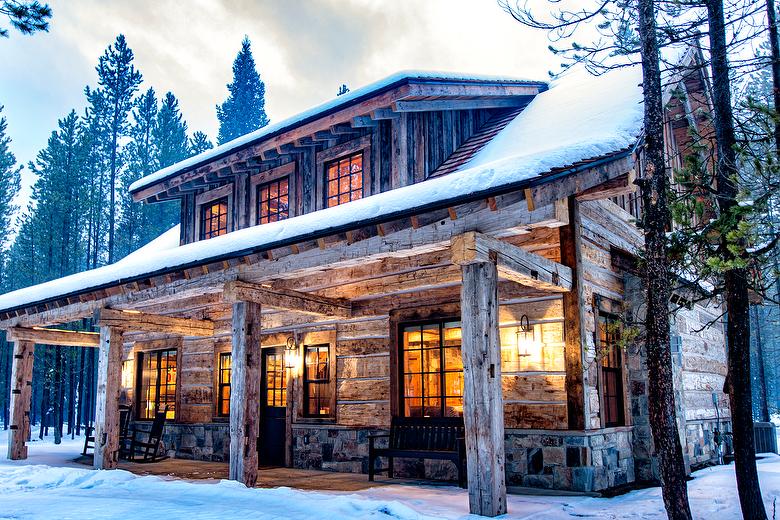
x: 401, y: 151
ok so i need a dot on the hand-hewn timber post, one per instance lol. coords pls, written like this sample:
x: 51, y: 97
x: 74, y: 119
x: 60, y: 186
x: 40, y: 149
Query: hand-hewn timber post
x: 21, y: 392
x: 483, y: 402
x: 245, y: 393
x: 573, y: 310
x: 108, y: 389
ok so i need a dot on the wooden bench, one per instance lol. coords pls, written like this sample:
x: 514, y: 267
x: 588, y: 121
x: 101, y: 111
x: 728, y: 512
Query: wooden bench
x: 421, y: 438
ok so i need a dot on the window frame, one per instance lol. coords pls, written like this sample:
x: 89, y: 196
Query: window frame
x: 603, y: 318
x: 400, y: 371
x: 140, y: 360
x: 325, y: 382
x: 288, y: 170
x: 335, y: 153
x: 219, y: 383
x: 209, y: 197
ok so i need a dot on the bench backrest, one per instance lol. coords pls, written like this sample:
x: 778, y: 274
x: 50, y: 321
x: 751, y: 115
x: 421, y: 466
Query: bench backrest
x: 426, y: 433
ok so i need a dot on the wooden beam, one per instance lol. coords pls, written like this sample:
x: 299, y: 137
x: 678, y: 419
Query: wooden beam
x: 141, y: 321
x: 21, y: 393
x: 459, y: 104
x: 286, y: 299
x: 574, y: 323
x: 513, y: 262
x: 483, y: 404
x: 65, y: 338
x: 384, y: 113
x: 245, y: 392
x: 621, y: 185
x: 108, y: 389
x: 363, y: 122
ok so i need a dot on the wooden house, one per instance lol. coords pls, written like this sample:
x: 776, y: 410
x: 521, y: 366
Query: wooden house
x: 427, y: 246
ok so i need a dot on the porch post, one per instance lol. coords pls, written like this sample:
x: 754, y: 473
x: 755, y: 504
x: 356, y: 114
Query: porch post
x: 245, y: 393
x: 21, y: 392
x: 483, y: 403
x: 108, y: 390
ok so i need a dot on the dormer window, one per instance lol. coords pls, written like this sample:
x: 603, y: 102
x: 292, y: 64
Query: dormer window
x: 213, y: 212
x: 214, y: 218
x: 273, y: 201
x: 344, y: 179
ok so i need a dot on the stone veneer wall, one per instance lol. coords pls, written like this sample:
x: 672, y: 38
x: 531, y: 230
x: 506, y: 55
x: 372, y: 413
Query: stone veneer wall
x: 568, y: 460
x: 577, y: 461
x: 700, y: 441
x: 204, y: 441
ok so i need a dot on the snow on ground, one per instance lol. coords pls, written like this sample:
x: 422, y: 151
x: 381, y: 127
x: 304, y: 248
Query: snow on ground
x: 49, y: 485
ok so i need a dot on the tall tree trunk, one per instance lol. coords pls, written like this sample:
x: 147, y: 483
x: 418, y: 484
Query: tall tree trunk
x: 657, y: 216
x: 72, y: 390
x: 81, y: 375
x: 735, y: 280
x: 763, y: 407
x: 58, y: 394
x: 774, y: 45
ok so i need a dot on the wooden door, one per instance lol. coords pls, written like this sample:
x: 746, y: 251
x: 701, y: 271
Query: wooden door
x: 273, y: 409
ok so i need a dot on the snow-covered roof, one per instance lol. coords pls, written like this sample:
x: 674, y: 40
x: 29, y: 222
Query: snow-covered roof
x: 336, y: 103
x: 579, y: 118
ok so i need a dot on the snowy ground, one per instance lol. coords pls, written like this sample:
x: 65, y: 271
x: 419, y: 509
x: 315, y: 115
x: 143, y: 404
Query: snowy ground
x: 48, y: 485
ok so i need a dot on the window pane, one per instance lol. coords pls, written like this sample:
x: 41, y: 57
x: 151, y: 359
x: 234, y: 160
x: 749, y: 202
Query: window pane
x: 272, y: 201
x: 453, y: 359
x: 345, y: 179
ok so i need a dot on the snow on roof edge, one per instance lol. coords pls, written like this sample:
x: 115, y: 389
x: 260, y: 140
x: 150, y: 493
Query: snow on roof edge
x: 317, y: 111
x: 485, y: 180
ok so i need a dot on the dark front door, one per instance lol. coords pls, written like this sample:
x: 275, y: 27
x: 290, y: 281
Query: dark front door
x: 273, y: 409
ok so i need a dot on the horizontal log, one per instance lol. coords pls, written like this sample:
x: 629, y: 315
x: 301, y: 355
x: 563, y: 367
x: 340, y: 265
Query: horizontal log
x: 621, y: 185
x: 65, y: 338
x: 513, y: 263
x: 286, y: 299
x: 141, y: 321
x: 459, y: 104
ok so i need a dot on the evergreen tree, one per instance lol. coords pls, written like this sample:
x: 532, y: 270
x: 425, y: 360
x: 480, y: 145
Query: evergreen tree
x: 170, y: 133
x: 118, y: 80
x: 199, y: 142
x: 26, y: 17
x: 244, y: 109
x: 9, y: 186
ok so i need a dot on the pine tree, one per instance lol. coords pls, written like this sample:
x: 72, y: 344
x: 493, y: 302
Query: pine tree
x: 244, y: 109
x: 199, y: 142
x: 26, y: 17
x: 118, y: 80
x: 170, y: 133
x: 9, y: 186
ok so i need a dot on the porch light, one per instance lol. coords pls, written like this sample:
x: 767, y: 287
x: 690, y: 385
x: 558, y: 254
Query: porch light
x: 525, y: 337
x: 290, y: 353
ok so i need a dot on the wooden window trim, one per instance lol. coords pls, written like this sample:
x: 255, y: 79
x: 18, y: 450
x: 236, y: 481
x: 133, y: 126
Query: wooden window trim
x: 225, y: 348
x: 139, y: 354
x: 306, y: 382
x: 361, y: 144
x: 325, y: 337
x: 288, y: 170
x: 608, y: 308
x: 210, y: 196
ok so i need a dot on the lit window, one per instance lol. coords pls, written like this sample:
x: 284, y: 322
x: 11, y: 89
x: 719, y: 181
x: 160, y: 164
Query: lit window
x: 432, y: 370
x: 158, y: 384
x: 273, y: 201
x: 316, y: 381
x: 275, y: 380
x: 345, y: 179
x: 223, y: 385
x: 611, y: 370
x: 214, y: 218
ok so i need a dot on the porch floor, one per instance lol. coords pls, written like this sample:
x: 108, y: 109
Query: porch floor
x: 268, y: 477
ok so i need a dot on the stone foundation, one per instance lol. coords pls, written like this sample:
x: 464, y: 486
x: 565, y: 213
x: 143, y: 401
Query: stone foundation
x: 577, y: 461
x: 700, y: 441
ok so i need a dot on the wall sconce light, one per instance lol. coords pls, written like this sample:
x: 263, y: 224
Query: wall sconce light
x: 290, y: 353
x: 525, y: 337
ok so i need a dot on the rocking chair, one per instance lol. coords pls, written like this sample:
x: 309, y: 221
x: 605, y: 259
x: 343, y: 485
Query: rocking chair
x: 125, y: 413
x: 149, y: 449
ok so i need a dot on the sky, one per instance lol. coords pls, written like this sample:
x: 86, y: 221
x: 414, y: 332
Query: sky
x: 303, y: 50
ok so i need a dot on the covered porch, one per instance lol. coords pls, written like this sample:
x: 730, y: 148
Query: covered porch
x: 517, y: 248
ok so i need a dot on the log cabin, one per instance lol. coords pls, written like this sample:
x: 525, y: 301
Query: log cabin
x: 429, y: 246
